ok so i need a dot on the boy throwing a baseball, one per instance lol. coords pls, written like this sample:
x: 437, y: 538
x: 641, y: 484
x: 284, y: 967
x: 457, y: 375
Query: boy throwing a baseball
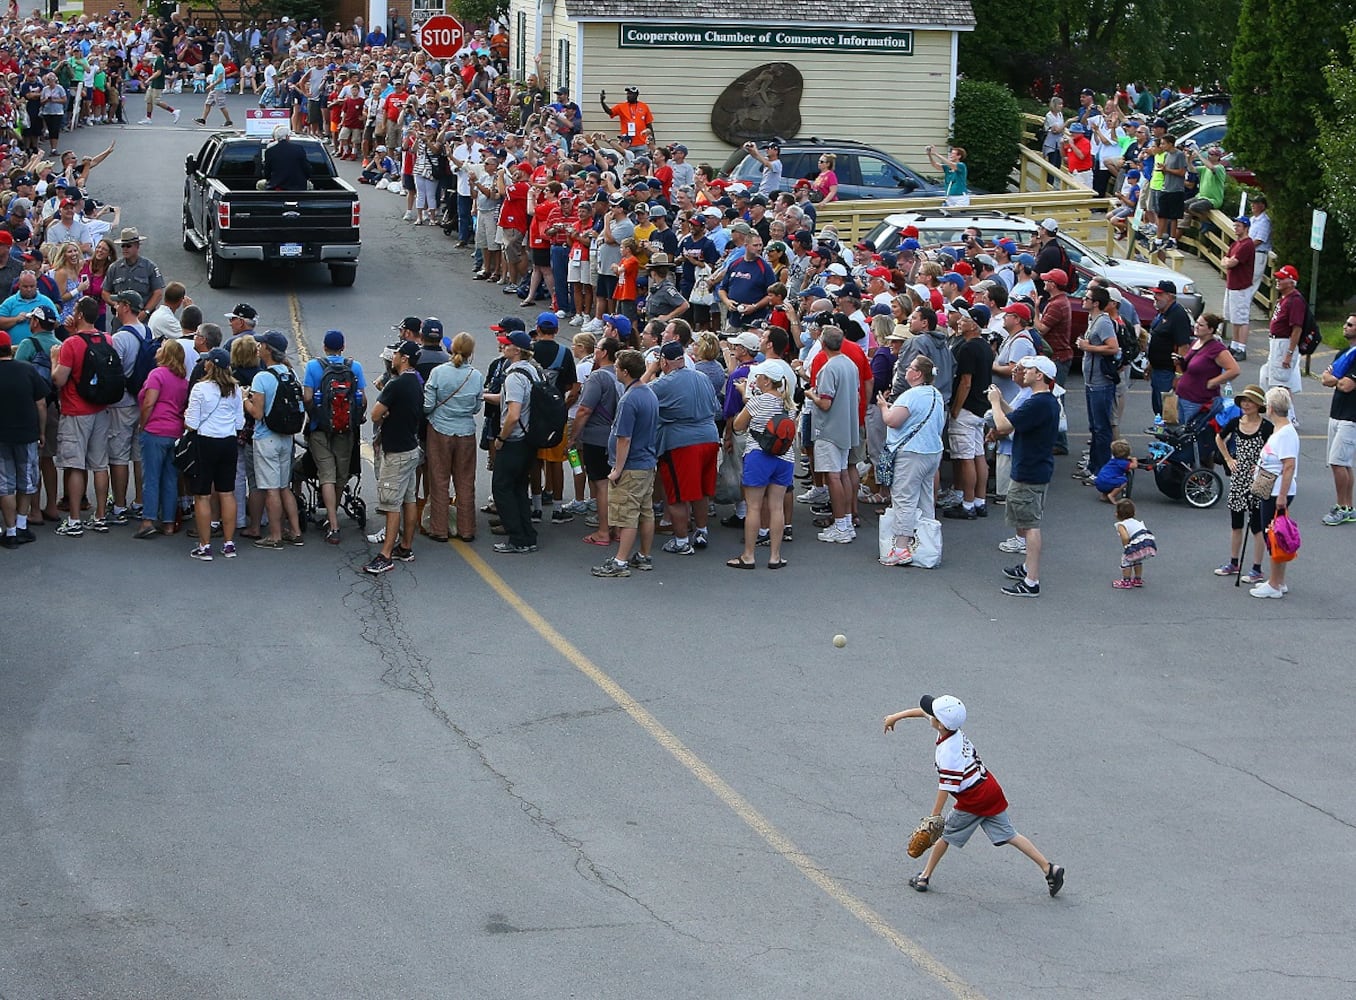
x: 979, y: 797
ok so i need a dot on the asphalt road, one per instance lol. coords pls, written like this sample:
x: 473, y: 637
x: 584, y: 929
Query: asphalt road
x: 498, y: 777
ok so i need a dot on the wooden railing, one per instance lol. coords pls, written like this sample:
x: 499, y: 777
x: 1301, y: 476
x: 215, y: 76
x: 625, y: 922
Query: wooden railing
x: 1213, y: 247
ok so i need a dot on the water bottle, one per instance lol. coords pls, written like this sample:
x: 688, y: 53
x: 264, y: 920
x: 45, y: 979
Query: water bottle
x: 575, y: 464
x: 1228, y: 391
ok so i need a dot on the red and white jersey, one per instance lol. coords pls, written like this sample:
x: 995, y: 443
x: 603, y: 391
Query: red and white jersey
x: 963, y: 774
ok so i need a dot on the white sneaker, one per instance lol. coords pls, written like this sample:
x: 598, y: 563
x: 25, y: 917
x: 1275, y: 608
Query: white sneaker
x: 1266, y: 590
x: 144, y: 121
x: 578, y: 320
x: 949, y: 498
x: 409, y: 215
x: 833, y: 533
x: 173, y: 114
x: 814, y: 494
x: 594, y: 326
x: 378, y: 536
x: 561, y: 314
x: 1016, y: 544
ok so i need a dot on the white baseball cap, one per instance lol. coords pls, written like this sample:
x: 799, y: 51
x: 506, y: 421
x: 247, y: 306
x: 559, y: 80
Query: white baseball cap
x: 946, y: 709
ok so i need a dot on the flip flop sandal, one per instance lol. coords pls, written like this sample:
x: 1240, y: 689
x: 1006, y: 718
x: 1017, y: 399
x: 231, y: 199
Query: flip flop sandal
x: 776, y: 565
x: 739, y: 563
x: 146, y: 533
x: 590, y: 540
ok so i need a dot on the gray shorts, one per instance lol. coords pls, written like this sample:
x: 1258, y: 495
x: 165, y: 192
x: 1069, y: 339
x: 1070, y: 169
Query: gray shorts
x: 18, y: 469
x: 486, y: 232
x: 82, y: 441
x: 124, y: 443
x: 830, y: 457
x: 396, y: 478
x: 959, y: 825
x: 1025, y: 506
x: 273, y: 461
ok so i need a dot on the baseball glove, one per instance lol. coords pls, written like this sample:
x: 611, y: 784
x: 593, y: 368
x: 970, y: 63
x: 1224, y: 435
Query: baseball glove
x: 928, y: 830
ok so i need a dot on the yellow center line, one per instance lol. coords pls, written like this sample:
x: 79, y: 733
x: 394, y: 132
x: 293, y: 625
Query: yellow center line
x: 298, y: 331
x: 698, y: 768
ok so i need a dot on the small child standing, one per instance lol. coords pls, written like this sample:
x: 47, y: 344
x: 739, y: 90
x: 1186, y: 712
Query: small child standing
x: 1113, y: 477
x: 1137, y: 544
x: 980, y: 803
x: 627, y: 273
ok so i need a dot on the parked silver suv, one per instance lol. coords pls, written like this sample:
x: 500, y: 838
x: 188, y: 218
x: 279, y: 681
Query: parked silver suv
x: 944, y: 227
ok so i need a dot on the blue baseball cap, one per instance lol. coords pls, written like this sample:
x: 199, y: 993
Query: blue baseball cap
x: 1008, y: 246
x: 1244, y: 219
x: 518, y: 338
x: 1026, y: 260
x: 909, y: 244
x: 620, y: 323
x: 334, y: 340
x: 432, y: 327
x: 956, y: 279
x: 548, y: 319
x: 813, y: 292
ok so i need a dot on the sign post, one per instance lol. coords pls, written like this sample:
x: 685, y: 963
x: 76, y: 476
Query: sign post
x: 1316, y: 232
x: 441, y: 36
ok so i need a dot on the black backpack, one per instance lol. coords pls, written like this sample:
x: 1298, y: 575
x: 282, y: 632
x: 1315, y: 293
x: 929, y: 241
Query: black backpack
x: 546, y: 413
x: 102, y: 381
x: 1311, y: 337
x: 339, y: 405
x: 287, y: 415
x: 145, y: 360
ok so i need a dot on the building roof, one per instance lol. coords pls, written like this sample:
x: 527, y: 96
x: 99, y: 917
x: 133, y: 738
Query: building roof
x: 938, y: 13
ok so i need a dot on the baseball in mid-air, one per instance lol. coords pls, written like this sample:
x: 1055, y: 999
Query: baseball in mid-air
x: 840, y: 640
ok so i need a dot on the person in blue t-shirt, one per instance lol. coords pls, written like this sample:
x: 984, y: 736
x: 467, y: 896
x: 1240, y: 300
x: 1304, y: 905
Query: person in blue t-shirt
x: 632, y: 451
x: 331, y: 450
x: 1034, y: 427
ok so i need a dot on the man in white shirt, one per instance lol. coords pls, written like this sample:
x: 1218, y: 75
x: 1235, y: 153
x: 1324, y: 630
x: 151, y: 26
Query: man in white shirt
x: 465, y: 153
x: 164, y: 321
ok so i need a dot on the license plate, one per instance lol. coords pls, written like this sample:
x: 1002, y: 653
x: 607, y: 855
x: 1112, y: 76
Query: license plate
x: 290, y: 250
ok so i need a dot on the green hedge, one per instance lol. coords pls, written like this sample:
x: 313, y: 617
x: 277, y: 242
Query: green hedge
x: 988, y: 125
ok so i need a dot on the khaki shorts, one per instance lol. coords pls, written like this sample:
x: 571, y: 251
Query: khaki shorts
x: 513, y: 245
x: 82, y: 442
x: 1026, y: 505
x: 965, y: 435
x: 399, y: 470
x: 487, y: 233
x: 1341, y: 443
x: 152, y: 99
x: 830, y: 457
x: 630, y: 497
x: 273, y: 461
x: 215, y: 99
x: 331, y: 454
x: 348, y: 133
x: 124, y: 443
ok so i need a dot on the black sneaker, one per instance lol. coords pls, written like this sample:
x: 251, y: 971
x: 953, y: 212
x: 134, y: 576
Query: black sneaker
x: 733, y: 521
x: 379, y: 564
x: 536, y: 516
x: 1022, y: 589
x: 643, y: 563
x: 960, y: 513
x: 561, y: 517
x: 118, y: 517
x: 199, y: 121
x: 9, y: 541
x: 1054, y: 878
x: 699, y: 540
x: 981, y: 510
x: 821, y: 509
x: 1015, y: 572
x: 402, y: 554
x: 764, y: 538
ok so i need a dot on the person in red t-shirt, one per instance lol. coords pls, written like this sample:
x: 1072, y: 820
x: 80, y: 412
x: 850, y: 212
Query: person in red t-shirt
x: 82, y: 435
x: 581, y: 238
x: 979, y: 798
x: 1237, y: 264
x: 543, y: 208
x: 627, y: 273
x: 513, y: 220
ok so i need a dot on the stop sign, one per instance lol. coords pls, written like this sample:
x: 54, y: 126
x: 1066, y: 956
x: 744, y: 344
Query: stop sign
x: 441, y: 36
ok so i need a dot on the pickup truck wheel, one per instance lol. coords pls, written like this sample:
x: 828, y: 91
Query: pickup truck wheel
x: 218, y: 271
x: 343, y: 275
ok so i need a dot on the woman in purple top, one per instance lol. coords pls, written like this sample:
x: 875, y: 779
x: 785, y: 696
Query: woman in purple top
x: 1201, y: 371
x: 163, y: 399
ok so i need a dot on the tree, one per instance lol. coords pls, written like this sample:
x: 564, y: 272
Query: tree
x: 988, y: 126
x: 478, y: 12
x: 1279, y: 97
x: 1337, y: 144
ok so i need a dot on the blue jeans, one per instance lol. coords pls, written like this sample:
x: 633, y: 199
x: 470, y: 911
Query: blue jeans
x: 560, y: 273
x: 465, y: 208
x: 1101, y: 405
x: 160, y: 479
x: 1205, y: 440
x: 1159, y: 382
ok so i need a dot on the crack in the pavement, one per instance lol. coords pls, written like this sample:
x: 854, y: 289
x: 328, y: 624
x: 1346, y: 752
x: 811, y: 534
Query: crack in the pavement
x: 1271, y: 785
x: 376, y: 606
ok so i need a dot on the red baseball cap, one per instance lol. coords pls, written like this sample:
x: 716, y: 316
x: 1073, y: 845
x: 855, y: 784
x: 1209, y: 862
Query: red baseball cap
x: 880, y: 272
x: 964, y: 267
x: 1019, y: 309
x: 909, y: 231
x: 1287, y: 272
x: 1057, y: 276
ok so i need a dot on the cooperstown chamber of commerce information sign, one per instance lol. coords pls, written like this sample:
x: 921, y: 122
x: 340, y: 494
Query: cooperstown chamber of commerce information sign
x: 761, y: 37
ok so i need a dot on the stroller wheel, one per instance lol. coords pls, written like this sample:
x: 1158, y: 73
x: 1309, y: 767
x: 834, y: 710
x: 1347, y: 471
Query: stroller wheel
x: 1202, y: 488
x: 358, y: 511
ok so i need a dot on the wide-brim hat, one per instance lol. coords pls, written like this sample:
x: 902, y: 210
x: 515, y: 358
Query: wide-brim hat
x: 660, y: 260
x: 130, y: 235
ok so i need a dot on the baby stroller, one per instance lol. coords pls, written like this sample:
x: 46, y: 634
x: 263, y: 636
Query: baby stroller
x: 306, y: 488
x: 1174, y: 461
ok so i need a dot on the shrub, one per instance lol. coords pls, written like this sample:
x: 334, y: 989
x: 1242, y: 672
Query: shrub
x: 988, y: 125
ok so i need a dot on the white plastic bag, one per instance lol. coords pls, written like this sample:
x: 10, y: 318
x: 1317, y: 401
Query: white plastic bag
x: 927, y: 549
x: 886, y: 531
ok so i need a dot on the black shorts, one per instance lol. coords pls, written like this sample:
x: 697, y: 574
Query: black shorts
x: 596, y: 466
x: 541, y: 257
x: 1171, y: 204
x: 216, y: 467
x: 607, y: 284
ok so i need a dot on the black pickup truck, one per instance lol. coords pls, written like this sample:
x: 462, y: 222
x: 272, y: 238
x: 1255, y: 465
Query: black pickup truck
x: 227, y: 217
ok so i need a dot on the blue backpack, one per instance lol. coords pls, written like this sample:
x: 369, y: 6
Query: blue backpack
x: 144, y: 364
x: 42, y: 361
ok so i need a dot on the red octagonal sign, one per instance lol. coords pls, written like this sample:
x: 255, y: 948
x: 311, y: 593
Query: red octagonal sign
x: 441, y: 36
